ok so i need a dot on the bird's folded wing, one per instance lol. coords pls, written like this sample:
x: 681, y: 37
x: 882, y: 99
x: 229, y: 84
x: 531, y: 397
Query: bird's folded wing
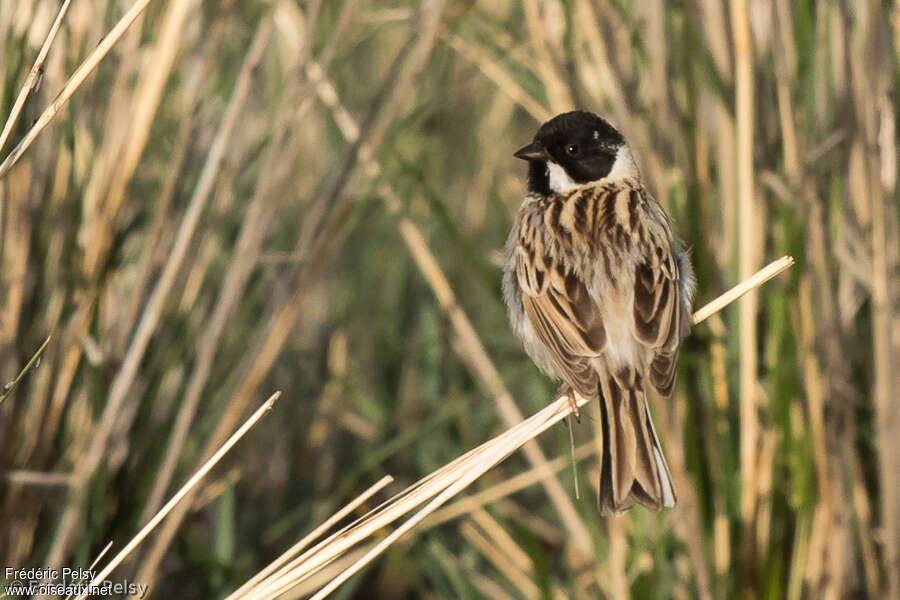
x: 563, y: 316
x: 658, y: 310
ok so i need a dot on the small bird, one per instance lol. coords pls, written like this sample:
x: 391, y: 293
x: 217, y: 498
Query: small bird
x: 599, y: 291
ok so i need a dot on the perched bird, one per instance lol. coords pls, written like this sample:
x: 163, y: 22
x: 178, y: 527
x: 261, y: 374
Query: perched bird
x: 599, y: 291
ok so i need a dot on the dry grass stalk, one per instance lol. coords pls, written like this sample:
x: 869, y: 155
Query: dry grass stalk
x: 489, y: 588
x: 744, y: 91
x: 506, y: 487
x: 153, y: 310
x: 320, y: 578
x: 825, y: 156
x: 39, y: 478
x: 319, y: 250
x: 438, y: 487
x: 478, y: 360
x: 546, y: 24
x: 74, y: 82
x: 153, y: 76
x: 460, y: 474
x: 472, y: 350
x: 180, y: 494
x: 500, y: 77
x: 885, y: 247
x: 753, y: 282
x: 270, y: 570
x: 615, y: 581
x: 96, y: 561
x: 500, y: 539
x: 254, y: 226
x: 33, y: 79
x: 515, y: 575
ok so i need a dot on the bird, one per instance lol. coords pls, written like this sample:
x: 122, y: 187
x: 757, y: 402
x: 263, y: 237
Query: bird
x: 599, y: 291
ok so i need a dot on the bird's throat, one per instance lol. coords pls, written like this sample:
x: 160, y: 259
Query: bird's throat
x: 559, y: 180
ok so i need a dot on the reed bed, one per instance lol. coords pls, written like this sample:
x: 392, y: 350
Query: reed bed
x: 436, y: 489
x: 204, y: 202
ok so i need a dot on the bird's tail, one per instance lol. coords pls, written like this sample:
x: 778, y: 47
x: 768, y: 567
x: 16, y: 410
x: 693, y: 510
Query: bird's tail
x: 632, y: 466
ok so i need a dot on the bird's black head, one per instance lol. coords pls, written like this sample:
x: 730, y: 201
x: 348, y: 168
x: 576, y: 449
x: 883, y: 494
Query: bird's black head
x: 573, y: 149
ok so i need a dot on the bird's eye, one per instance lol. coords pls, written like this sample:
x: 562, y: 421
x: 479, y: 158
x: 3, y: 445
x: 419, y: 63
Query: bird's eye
x: 572, y: 149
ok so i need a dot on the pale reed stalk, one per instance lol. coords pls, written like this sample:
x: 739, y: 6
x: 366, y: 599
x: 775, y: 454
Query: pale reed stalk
x: 187, y: 487
x: 74, y: 82
x: 33, y: 79
x: 440, y: 486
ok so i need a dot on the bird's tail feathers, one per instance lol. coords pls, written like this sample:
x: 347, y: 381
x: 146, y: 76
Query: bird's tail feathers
x: 633, y: 469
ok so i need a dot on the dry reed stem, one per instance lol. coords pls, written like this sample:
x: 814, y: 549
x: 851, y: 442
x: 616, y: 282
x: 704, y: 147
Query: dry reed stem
x: 254, y: 227
x: 686, y: 520
x: 474, y: 355
x: 153, y: 76
x: 40, y: 417
x: 615, y: 582
x: 744, y: 91
x: 32, y: 81
x: 482, y: 366
x: 751, y: 283
x: 152, y: 314
x: 502, y: 540
x: 515, y: 575
x: 187, y: 487
x: 281, y: 150
x: 447, y: 481
x: 651, y: 14
x: 601, y: 78
x: 16, y: 229
x: 96, y: 561
x: 466, y: 472
x: 313, y: 535
x: 38, y: 478
x: 74, y: 82
x: 507, y: 487
x: 320, y: 578
x: 489, y: 588
x: 884, y: 251
x: 315, y: 558
x: 329, y: 549
x: 866, y: 537
x: 494, y: 72
x: 150, y: 261
x: 841, y: 53
x: 603, y: 81
x: 542, y: 22
x: 321, y: 250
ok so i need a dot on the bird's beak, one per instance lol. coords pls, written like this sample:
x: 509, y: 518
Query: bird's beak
x: 533, y: 151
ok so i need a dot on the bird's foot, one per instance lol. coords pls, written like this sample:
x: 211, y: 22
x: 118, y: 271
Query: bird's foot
x: 566, y: 390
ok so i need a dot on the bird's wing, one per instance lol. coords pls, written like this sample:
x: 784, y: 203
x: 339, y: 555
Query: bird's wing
x: 560, y: 310
x: 659, y: 313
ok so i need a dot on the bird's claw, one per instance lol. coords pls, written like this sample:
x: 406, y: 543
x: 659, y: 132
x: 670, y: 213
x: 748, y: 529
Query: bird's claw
x: 566, y: 390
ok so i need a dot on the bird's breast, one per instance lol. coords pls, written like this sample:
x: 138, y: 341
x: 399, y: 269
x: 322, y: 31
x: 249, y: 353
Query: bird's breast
x: 597, y: 225
x: 599, y: 233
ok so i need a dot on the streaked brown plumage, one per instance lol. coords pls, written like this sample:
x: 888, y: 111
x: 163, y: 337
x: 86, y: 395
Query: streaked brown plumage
x: 599, y: 291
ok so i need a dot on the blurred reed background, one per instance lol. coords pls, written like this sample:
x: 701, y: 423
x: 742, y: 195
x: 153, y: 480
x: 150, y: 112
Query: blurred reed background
x: 311, y: 196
